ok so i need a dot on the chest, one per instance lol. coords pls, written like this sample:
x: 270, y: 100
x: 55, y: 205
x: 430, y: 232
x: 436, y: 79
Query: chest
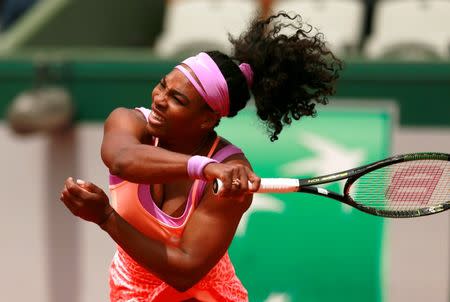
x: 171, y: 198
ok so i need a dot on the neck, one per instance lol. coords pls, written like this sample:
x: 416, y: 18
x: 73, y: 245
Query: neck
x: 199, y: 145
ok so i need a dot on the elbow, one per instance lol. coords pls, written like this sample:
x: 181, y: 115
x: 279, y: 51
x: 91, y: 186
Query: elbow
x: 185, y: 278
x: 119, y: 164
x: 120, y: 168
x: 117, y: 168
x: 184, y: 281
x: 182, y: 287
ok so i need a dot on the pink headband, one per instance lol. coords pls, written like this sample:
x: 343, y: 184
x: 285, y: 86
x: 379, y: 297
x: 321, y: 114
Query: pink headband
x: 213, y: 87
x: 248, y: 73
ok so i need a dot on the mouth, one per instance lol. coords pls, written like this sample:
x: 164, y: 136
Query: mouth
x: 155, y: 117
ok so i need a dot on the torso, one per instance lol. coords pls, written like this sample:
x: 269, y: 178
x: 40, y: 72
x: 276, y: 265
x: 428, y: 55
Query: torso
x: 172, y: 201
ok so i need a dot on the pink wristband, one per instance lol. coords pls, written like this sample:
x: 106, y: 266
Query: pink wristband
x: 196, y: 164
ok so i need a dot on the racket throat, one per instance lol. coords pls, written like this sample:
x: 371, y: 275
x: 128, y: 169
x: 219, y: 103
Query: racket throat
x: 322, y: 192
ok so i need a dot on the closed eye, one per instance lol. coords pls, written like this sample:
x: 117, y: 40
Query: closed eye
x: 175, y: 94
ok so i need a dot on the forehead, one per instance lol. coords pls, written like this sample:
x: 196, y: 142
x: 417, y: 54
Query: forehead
x: 178, y: 81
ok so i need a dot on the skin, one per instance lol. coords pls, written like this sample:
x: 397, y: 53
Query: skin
x: 183, y: 124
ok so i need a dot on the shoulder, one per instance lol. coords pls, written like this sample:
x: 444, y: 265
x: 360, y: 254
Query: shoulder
x: 122, y: 113
x: 124, y: 121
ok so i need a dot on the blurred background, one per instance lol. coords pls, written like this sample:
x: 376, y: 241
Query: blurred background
x: 65, y: 64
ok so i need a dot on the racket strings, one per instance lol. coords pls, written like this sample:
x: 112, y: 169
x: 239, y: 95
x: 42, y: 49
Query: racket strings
x: 403, y: 186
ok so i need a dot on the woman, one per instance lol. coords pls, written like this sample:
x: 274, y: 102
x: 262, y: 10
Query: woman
x: 172, y: 231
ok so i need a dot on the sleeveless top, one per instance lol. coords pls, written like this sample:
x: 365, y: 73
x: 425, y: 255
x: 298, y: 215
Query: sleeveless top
x: 129, y: 281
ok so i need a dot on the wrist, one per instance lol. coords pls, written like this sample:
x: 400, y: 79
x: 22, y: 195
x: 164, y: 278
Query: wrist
x: 108, y: 214
x: 196, y: 165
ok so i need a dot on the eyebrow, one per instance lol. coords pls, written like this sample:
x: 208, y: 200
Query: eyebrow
x: 174, y: 91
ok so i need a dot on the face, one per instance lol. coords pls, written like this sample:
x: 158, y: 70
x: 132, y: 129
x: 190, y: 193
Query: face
x: 178, y: 111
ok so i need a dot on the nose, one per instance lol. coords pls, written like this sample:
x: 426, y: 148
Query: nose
x: 160, y: 99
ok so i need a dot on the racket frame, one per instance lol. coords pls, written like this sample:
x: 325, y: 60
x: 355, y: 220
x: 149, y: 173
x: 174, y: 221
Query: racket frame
x: 353, y: 174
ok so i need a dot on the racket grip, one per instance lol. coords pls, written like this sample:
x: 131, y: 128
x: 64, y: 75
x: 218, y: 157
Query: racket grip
x: 268, y: 185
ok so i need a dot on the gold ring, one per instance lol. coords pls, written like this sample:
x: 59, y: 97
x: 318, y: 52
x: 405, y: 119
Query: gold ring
x: 236, y: 182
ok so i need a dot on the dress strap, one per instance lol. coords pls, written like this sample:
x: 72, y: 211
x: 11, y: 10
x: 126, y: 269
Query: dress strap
x: 226, y: 152
x: 199, y: 185
x: 214, y: 146
x: 144, y: 111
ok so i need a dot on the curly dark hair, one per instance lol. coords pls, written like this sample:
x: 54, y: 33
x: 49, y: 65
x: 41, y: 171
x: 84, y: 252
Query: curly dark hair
x: 293, y: 70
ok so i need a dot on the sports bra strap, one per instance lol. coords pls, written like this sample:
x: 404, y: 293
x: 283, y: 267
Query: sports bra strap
x: 226, y: 152
x: 220, y: 156
x: 144, y: 111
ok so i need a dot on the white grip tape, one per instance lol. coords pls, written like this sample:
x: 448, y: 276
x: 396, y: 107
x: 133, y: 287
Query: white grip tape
x: 278, y: 185
x: 272, y: 185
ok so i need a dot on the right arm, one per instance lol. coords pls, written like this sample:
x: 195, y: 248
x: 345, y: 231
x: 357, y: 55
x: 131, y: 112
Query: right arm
x: 127, y: 157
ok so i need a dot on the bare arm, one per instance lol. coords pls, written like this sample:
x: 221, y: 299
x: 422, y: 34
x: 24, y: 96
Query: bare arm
x: 127, y: 157
x: 206, y: 238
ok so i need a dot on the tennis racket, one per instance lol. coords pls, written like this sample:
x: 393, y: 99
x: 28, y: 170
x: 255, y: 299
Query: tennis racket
x: 408, y: 185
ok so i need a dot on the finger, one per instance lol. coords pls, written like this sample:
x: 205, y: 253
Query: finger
x: 71, y: 203
x: 255, y: 182
x: 89, y: 186
x: 235, y: 188
x: 226, y: 179
x: 76, y: 190
x: 82, y: 184
x: 67, y: 182
x: 69, y: 198
x: 72, y: 207
x: 236, y: 179
x: 244, y: 182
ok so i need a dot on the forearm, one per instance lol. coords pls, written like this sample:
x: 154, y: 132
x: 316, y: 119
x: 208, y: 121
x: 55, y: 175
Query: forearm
x: 148, y: 164
x: 171, y: 264
x: 127, y: 154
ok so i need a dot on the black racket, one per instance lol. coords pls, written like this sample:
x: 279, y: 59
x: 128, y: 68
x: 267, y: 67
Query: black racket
x: 409, y: 185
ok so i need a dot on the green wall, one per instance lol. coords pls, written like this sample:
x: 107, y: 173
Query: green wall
x: 422, y: 90
x: 299, y: 247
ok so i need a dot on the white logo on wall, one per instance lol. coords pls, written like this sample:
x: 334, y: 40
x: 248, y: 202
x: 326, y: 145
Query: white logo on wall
x: 330, y: 157
x: 261, y: 202
x: 278, y: 297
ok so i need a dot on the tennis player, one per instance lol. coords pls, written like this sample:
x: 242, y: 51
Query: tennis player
x: 172, y: 231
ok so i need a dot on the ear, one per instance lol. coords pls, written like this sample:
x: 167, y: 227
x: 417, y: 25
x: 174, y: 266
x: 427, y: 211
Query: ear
x: 210, y: 120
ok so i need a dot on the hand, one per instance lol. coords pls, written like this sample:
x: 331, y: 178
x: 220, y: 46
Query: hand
x: 86, y: 200
x: 235, y: 178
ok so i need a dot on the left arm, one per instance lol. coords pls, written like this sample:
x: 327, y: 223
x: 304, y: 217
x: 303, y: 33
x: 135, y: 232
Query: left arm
x: 206, y: 238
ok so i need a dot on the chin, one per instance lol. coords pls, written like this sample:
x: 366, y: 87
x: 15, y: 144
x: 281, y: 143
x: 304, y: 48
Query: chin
x: 155, y: 131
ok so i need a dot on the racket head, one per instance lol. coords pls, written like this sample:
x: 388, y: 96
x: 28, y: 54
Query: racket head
x: 403, y: 186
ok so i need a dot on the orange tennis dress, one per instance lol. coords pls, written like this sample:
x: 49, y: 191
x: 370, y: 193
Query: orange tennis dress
x: 130, y: 282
